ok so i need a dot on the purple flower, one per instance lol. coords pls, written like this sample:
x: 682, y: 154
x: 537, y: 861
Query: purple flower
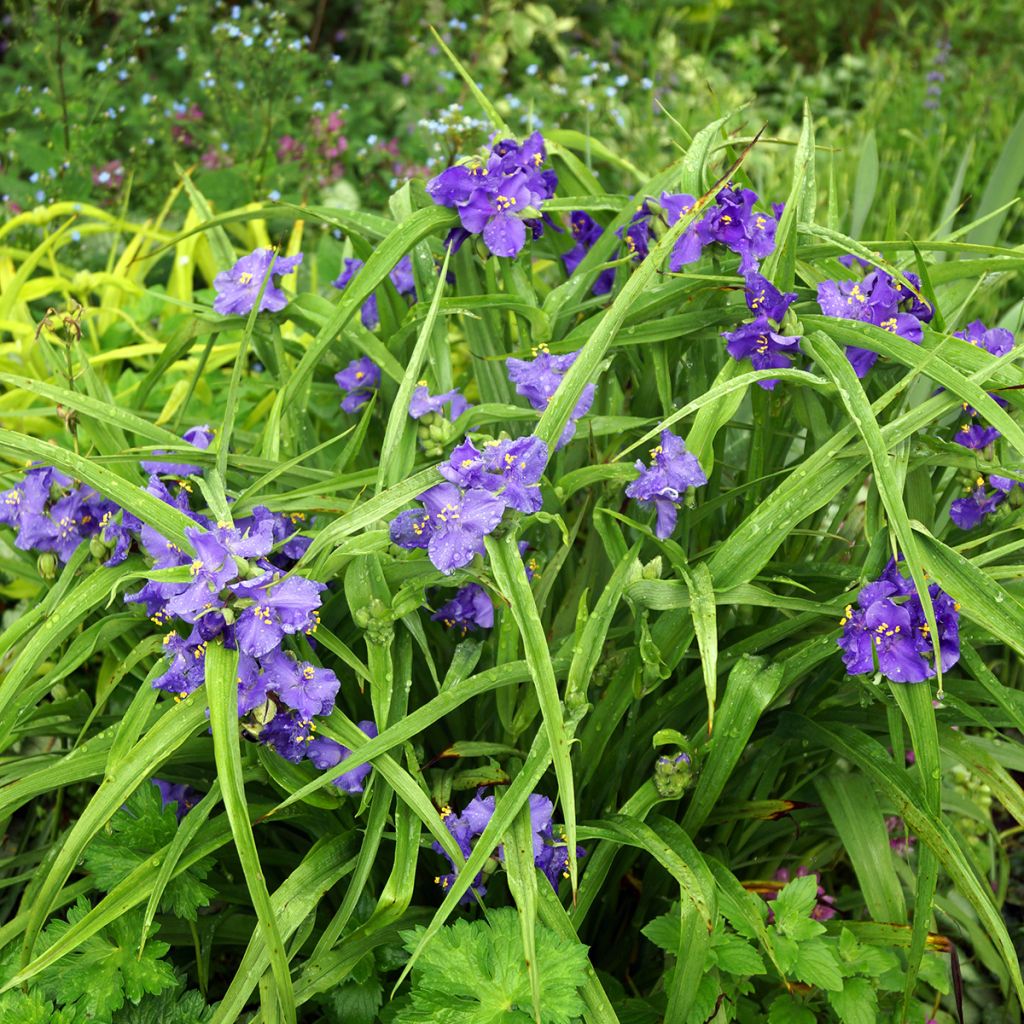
x: 586, y: 231
x: 637, y: 233
x: 182, y: 795
x: 975, y: 436
x: 326, y: 753
x: 901, y: 841
x: 969, y: 512
x: 511, y: 469
x: 995, y: 340
x: 289, y: 735
x: 517, y: 466
x: 358, y: 380
x: 452, y: 525
x: 734, y: 223
x: 199, y: 437
x: 46, y: 519
x: 497, y: 198
x: 880, y: 300
x: 889, y: 625
x: 672, y: 472
x: 238, y: 287
x: 549, y: 853
x: 538, y: 379
x: 470, y: 609
x: 766, y: 349
x: 401, y: 277
x: 423, y: 402
x: 764, y: 299
x: 689, y: 246
x: 187, y: 669
x: 305, y: 688
x: 280, y: 605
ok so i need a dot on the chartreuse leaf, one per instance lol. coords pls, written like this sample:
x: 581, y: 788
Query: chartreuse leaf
x: 222, y: 692
x: 508, y: 572
x: 470, y: 972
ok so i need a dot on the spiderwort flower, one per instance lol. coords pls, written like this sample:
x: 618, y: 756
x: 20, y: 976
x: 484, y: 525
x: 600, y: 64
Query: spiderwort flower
x: 972, y: 510
x: 549, y: 853
x: 689, y: 246
x: 586, y: 231
x: 305, y: 688
x: 359, y: 380
x: 451, y: 526
x: 326, y: 753
x: 470, y: 609
x: 238, y: 287
x: 199, y: 437
x: 880, y: 300
x: 423, y: 402
x: 538, y: 379
x: 889, y: 625
x: 280, y: 606
x: 763, y: 346
x: 498, y: 197
x: 672, y: 472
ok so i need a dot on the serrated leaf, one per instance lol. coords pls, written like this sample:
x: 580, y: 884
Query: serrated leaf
x: 786, y: 1010
x: 856, y: 1002
x: 104, y: 970
x: 141, y: 829
x: 816, y: 964
x: 736, y: 956
x: 475, y: 972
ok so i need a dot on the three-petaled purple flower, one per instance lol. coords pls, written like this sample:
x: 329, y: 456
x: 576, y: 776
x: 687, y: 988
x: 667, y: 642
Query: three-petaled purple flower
x: 451, y: 526
x: 281, y: 605
x: 538, y: 379
x: 889, y: 626
x: 238, y: 288
x: 672, y: 472
x: 470, y: 609
x: 358, y: 380
x: 326, y: 753
x: 880, y: 300
x: 498, y: 198
x: 972, y: 510
x: 423, y: 402
x: 759, y: 341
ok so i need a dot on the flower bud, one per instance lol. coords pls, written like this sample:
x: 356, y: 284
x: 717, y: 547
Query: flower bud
x: 47, y: 565
x: 672, y: 775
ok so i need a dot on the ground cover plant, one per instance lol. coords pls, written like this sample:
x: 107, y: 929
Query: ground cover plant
x: 584, y: 589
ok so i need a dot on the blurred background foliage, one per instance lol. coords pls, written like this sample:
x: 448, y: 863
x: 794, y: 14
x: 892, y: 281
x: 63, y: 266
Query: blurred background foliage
x: 340, y: 103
